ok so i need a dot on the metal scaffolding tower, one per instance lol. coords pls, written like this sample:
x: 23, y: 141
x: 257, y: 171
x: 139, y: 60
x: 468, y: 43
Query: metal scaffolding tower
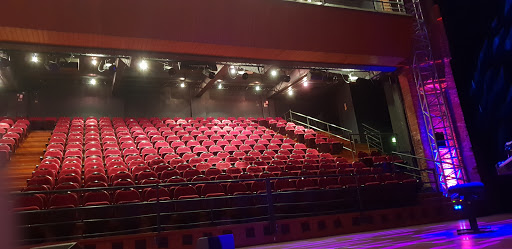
x: 432, y: 99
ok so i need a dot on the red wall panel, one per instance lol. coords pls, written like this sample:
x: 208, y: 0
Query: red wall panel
x: 259, y: 29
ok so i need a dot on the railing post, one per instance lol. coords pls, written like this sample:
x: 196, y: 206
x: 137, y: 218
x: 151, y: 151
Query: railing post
x: 158, y: 207
x: 270, y: 203
x: 291, y: 119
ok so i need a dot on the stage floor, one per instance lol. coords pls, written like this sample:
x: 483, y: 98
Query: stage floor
x: 432, y: 236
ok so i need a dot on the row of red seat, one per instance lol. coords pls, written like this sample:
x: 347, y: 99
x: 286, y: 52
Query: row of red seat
x: 203, y: 189
x: 11, y: 134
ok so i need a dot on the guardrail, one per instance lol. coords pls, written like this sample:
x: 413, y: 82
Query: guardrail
x: 163, y: 214
x: 428, y: 176
x: 319, y: 125
x: 388, y: 6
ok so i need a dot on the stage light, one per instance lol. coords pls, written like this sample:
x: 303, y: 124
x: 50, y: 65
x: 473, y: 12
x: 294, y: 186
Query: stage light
x: 273, y: 73
x: 143, y: 65
x: 305, y: 83
x: 211, y: 75
x: 94, y: 62
x: 352, y: 78
x: 393, y: 140
x: 290, y: 92
x: 92, y: 82
x: 182, y: 78
x: 219, y: 86
x: 219, y: 80
x: 232, y: 72
x: 34, y: 59
x: 257, y: 88
x: 245, y: 76
x: 112, y: 68
x: 457, y: 207
x: 171, y: 71
x: 182, y: 84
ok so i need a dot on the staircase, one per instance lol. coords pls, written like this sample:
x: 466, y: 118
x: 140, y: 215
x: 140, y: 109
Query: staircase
x: 26, y: 157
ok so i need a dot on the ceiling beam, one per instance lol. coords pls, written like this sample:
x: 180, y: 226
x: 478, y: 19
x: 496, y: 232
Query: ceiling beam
x: 295, y: 77
x: 208, y: 83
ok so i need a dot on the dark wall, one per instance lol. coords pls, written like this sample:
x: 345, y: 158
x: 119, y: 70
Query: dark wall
x: 480, y: 37
x: 85, y: 100
x: 319, y: 102
x: 370, y: 104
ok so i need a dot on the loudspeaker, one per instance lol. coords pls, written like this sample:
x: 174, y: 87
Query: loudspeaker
x: 73, y: 245
x: 226, y: 241
x: 441, y: 142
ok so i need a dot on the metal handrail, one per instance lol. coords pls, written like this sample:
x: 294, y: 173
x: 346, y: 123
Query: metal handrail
x: 370, y: 128
x: 422, y: 158
x: 318, y: 129
x: 376, y: 5
x: 318, y: 120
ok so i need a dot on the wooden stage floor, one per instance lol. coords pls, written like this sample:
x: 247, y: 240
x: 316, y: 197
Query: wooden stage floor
x: 432, y: 236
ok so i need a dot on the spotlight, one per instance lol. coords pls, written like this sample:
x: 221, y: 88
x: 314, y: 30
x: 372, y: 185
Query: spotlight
x: 171, y: 71
x: 219, y: 80
x: 457, y: 207
x: 143, y: 65
x: 290, y: 92
x: 92, y: 82
x: 4, y: 62
x: 352, y: 78
x: 34, y: 59
x: 232, y: 72
x: 219, y: 86
x: 52, y: 66
x: 273, y: 73
x: 211, y: 75
x: 257, y: 88
x: 112, y: 68
x: 245, y: 76
x: 182, y: 84
x: 285, y: 78
x: 305, y: 83
x: 94, y: 61
x: 182, y: 78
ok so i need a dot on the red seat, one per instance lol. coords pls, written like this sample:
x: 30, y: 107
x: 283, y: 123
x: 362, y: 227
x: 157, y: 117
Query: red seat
x: 96, y: 198
x: 328, y: 182
x: 30, y: 201
x: 284, y: 185
x: 63, y: 201
x: 126, y: 196
x: 191, y: 173
x: 70, y: 178
x: 212, y: 190
x: 237, y: 188
x: 306, y: 184
x: 41, y: 180
x: 151, y: 194
x: 185, y: 192
x: 146, y: 174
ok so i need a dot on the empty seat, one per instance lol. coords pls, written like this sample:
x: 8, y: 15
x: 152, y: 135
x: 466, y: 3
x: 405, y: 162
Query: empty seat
x: 126, y: 196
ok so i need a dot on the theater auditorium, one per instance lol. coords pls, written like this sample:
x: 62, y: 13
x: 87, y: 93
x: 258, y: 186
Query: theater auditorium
x: 255, y: 124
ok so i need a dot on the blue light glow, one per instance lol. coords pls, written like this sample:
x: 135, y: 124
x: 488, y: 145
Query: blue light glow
x: 457, y: 207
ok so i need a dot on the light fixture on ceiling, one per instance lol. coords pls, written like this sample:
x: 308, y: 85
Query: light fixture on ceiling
x: 34, y: 58
x: 92, y: 82
x: 257, y: 88
x: 94, y: 61
x: 182, y: 78
x: 219, y: 80
x: 143, y: 65
x: 273, y: 73
x: 352, y: 78
x: 232, y: 72
x: 182, y: 84
x: 290, y: 92
x: 305, y: 83
x: 219, y: 86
